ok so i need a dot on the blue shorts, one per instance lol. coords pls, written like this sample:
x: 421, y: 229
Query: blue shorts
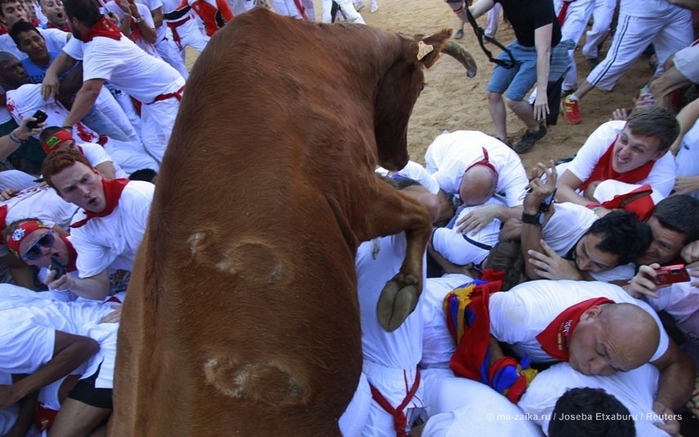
x: 515, y: 82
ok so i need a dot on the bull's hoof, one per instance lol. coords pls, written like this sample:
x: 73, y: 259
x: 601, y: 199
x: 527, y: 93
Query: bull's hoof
x: 397, y: 301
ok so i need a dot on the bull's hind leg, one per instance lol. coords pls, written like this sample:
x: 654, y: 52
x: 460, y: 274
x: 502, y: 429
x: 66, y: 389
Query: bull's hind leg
x: 393, y: 212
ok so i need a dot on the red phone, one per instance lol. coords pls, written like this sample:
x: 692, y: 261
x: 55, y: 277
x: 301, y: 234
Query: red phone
x: 667, y: 275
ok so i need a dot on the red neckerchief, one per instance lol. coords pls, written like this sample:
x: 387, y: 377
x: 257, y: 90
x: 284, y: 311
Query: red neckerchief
x: 603, y: 170
x: 104, y: 27
x: 555, y: 339
x: 3, y: 219
x: 72, y: 254
x: 563, y: 12
x: 64, y: 28
x: 112, y: 194
x: 486, y: 162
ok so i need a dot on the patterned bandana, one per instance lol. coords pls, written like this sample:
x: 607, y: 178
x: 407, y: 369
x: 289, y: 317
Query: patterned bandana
x: 20, y: 233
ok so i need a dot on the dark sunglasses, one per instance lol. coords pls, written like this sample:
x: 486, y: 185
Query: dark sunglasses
x: 34, y: 252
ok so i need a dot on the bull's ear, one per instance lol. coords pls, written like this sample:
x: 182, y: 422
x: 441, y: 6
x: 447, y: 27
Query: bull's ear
x: 430, y: 47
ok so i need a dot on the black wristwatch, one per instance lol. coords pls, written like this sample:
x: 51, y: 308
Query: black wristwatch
x: 535, y: 219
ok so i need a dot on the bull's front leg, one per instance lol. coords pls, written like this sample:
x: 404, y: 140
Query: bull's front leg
x: 391, y: 213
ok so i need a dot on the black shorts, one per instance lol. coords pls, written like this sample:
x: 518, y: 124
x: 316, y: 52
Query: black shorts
x: 455, y: 1
x: 86, y: 392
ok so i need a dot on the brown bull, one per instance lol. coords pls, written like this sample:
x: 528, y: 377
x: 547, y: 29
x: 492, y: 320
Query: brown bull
x: 242, y: 316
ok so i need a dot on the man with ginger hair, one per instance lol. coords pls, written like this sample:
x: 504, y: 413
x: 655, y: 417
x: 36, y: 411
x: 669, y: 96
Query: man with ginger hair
x: 108, y: 230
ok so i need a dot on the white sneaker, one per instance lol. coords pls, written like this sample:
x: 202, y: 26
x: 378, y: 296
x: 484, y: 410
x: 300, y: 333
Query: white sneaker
x: 374, y: 8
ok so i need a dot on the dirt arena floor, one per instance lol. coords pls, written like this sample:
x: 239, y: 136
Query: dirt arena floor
x: 452, y: 102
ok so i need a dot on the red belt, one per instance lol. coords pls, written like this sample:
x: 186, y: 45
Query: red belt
x: 177, y: 95
x: 400, y: 421
x: 173, y: 25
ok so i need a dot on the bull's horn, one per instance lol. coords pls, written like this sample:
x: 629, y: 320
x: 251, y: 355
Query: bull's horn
x: 456, y: 50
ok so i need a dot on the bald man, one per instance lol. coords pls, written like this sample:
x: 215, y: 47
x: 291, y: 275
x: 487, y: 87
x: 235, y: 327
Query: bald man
x: 471, y: 167
x: 597, y: 328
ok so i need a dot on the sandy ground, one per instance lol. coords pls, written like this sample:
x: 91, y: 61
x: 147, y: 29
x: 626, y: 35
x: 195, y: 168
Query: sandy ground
x: 451, y: 101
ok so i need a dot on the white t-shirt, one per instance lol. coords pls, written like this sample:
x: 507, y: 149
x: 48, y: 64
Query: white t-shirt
x: 688, y: 155
x: 377, y: 261
x: 566, y: 226
x: 26, y: 100
x: 661, y: 176
x: 635, y: 389
x: 125, y: 65
x: 438, y: 345
x: 16, y: 179
x: 28, y: 328
x: 112, y: 241
x: 413, y: 170
x: 519, y: 315
x: 681, y: 301
x: 147, y: 47
x: 152, y: 5
x: 461, y: 249
x: 97, y: 155
x: 55, y: 40
x: 448, y: 157
x: 42, y: 202
x: 460, y: 407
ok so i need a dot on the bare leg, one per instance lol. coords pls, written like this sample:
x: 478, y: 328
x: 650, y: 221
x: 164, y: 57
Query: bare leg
x: 76, y: 419
x: 496, y: 105
x: 523, y: 110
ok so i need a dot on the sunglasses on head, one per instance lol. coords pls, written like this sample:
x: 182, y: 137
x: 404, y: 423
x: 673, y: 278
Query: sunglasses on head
x: 34, y: 252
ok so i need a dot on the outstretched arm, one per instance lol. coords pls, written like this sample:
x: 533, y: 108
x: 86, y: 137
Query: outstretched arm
x: 69, y: 352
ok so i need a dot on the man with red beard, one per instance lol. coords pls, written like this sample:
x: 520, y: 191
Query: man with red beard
x: 106, y: 234
x: 634, y: 152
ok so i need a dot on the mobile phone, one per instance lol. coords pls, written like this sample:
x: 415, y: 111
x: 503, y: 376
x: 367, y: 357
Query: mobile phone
x: 58, y: 266
x: 546, y: 203
x: 40, y: 118
x: 671, y: 274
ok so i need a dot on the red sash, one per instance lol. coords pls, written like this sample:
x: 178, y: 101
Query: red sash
x: 112, y: 194
x: 555, y: 339
x: 400, y: 421
x: 564, y: 11
x: 603, y: 170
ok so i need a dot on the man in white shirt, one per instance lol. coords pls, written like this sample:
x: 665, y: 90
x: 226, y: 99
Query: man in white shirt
x: 390, y: 358
x: 596, y: 327
x: 48, y: 340
x: 12, y: 11
x: 634, y: 152
x: 54, y: 138
x: 107, y: 55
x: 475, y: 166
x: 109, y: 230
x: 634, y: 389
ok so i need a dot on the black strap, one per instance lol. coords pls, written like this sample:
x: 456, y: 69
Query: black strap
x: 477, y: 243
x: 480, y: 34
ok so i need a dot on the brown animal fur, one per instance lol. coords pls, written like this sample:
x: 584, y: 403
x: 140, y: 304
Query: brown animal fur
x: 242, y: 317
